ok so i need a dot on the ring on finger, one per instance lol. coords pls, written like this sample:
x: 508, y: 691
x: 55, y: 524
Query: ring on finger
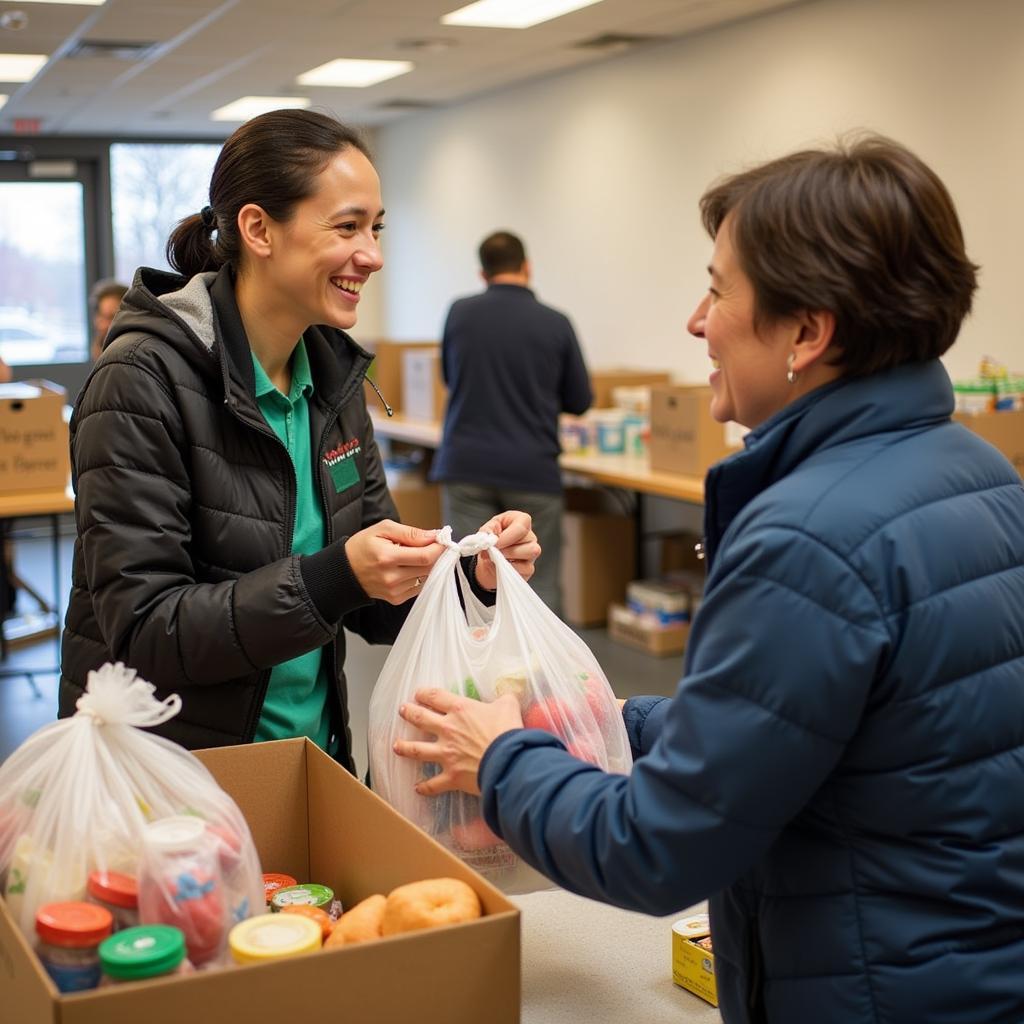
x: 417, y: 582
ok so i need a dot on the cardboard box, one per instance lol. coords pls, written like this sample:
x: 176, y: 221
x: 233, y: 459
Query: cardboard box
x: 1004, y: 430
x: 684, y: 437
x: 598, y: 557
x: 313, y: 820
x: 419, y: 504
x: 386, y: 370
x: 34, y: 445
x: 423, y: 391
x: 603, y: 381
x: 693, y: 966
x: 642, y: 634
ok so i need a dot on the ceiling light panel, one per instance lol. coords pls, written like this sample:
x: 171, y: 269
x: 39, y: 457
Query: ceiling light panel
x: 354, y: 74
x: 20, y: 67
x: 252, y: 106
x: 513, y: 13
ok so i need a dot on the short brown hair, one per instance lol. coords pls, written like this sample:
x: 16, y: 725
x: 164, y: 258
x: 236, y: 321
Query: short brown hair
x: 865, y: 230
x: 502, y: 253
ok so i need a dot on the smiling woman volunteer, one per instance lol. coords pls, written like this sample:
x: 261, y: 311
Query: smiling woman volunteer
x: 841, y: 770
x: 231, y: 505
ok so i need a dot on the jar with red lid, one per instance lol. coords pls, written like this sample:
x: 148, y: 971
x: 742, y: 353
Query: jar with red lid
x: 117, y: 893
x: 69, y: 938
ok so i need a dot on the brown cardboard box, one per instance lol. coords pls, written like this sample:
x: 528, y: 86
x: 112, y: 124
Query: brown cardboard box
x: 625, y: 626
x: 1004, y: 430
x: 598, y: 557
x: 423, y: 391
x: 602, y: 382
x: 33, y: 437
x: 313, y: 820
x: 419, y: 504
x: 386, y: 370
x: 684, y: 437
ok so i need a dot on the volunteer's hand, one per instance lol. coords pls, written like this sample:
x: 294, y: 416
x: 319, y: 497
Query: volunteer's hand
x: 464, y: 728
x: 391, y: 561
x: 516, y: 541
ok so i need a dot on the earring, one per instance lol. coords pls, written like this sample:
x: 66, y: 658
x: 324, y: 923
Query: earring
x: 790, y: 375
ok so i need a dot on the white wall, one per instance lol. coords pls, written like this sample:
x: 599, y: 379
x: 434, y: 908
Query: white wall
x: 600, y: 169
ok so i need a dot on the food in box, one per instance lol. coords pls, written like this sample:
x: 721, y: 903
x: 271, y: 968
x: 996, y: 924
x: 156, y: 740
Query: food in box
x: 693, y: 958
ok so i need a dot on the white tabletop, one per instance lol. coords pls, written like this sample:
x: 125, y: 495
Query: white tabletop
x: 586, y: 963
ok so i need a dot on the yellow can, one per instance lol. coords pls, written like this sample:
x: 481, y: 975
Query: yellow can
x: 273, y: 937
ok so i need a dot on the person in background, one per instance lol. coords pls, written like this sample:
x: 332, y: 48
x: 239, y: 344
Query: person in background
x: 841, y: 770
x: 231, y: 505
x: 511, y: 365
x: 104, y: 301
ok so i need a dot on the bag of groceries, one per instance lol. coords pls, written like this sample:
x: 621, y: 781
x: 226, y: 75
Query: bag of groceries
x: 519, y: 647
x: 92, y: 807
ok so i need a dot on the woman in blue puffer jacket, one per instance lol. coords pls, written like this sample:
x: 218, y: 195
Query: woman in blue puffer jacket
x: 841, y: 770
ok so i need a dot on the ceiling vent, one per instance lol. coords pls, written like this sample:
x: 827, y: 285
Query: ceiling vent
x: 613, y: 41
x: 92, y: 49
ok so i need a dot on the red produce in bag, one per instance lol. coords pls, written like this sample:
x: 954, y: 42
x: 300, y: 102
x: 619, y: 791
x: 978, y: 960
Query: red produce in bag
x: 520, y: 647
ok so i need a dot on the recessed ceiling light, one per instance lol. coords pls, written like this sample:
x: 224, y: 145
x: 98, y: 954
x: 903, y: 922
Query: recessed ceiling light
x: 20, y: 67
x: 513, y: 13
x: 252, y: 106
x: 354, y: 74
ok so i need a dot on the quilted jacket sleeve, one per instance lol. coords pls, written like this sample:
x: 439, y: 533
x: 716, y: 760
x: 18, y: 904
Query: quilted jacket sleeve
x: 133, y: 503
x: 782, y: 657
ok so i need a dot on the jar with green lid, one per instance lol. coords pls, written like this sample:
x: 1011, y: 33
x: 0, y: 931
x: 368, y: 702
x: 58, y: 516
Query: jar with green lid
x: 145, y: 951
x: 310, y: 894
x: 974, y: 396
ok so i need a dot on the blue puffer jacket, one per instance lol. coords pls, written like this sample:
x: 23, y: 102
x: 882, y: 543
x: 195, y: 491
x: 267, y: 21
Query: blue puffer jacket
x: 842, y: 767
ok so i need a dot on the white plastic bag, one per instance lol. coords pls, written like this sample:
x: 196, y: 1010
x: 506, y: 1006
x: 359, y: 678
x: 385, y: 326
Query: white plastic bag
x: 78, y: 795
x: 519, y: 646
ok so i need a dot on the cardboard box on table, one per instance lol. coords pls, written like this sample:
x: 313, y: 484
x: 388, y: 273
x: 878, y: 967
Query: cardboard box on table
x: 685, y: 438
x: 423, y: 391
x: 33, y: 437
x: 418, y: 503
x: 1003, y: 430
x: 602, y: 382
x: 312, y: 820
x: 386, y: 370
x: 633, y: 630
x: 598, y: 556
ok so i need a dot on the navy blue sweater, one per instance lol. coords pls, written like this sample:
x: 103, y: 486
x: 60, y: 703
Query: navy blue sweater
x: 511, y: 365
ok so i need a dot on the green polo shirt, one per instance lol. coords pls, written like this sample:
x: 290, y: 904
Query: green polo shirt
x: 296, y: 702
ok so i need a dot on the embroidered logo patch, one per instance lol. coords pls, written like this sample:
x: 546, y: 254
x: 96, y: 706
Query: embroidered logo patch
x: 342, y: 465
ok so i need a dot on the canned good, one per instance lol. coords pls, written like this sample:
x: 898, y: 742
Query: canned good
x: 69, y: 938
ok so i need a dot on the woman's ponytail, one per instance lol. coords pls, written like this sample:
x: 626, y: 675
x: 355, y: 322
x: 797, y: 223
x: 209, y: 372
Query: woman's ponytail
x: 191, y: 249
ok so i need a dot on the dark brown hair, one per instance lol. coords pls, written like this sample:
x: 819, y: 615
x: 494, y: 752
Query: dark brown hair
x: 272, y: 161
x: 866, y: 231
x: 502, y: 253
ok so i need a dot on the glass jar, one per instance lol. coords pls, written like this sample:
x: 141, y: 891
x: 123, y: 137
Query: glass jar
x: 117, y: 893
x: 146, y: 951
x: 273, y: 937
x: 310, y: 894
x: 69, y: 938
x: 180, y: 884
x: 274, y: 880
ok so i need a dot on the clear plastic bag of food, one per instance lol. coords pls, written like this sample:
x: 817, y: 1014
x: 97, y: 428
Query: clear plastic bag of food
x: 517, y: 647
x: 79, y: 795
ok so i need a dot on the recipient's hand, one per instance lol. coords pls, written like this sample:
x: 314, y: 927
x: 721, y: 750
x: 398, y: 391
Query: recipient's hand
x: 516, y: 541
x: 391, y: 561
x: 464, y: 728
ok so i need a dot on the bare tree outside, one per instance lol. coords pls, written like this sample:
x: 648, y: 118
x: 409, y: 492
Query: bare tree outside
x: 153, y: 186
x: 42, y: 272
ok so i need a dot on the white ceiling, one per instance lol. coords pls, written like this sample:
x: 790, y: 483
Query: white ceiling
x: 207, y: 53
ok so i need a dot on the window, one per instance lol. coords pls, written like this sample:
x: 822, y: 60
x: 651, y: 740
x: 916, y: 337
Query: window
x: 153, y: 186
x: 42, y: 272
